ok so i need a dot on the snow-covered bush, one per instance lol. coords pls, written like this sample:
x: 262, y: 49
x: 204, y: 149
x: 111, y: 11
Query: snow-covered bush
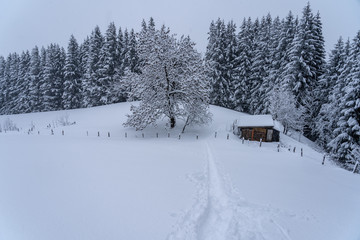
x: 64, y: 120
x: 283, y: 108
x: 9, y: 125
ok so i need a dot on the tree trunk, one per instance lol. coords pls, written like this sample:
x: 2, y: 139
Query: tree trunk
x: 186, y: 123
x: 168, y: 89
x: 172, y: 122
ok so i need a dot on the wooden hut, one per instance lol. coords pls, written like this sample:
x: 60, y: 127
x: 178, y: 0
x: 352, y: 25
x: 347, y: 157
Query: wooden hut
x: 256, y: 127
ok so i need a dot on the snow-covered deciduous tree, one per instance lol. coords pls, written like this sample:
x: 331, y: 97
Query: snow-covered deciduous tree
x: 171, y: 83
x: 283, y: 108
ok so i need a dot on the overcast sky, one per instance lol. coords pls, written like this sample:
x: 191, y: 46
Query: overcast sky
x: 26, y: 23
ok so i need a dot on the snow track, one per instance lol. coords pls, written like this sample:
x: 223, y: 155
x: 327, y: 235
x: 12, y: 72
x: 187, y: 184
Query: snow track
x: 218, y: 214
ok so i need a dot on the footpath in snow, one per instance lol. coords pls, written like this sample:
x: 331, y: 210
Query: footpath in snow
x: 219, y: 214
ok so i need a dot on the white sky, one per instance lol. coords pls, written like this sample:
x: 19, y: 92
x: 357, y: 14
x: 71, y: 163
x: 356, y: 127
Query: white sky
x: 26, y: 23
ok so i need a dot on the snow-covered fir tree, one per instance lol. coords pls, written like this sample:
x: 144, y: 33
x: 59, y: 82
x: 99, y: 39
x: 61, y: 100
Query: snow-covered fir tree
x: 345, y: 145
x: 53, y: 78
x: 12, y: 77
x: 171, y: 82
x: 303, y: 72
x: 216, y: 62
x: 34, y: 84
x: 332, y: 87
x: 2, y: 82
x: 71, y: 97
x: 22, y: 101
x: 107, y: 71
x: 243, y: 67
x: 260, y: 69
x: 91, y: 83
x: 83, y: 60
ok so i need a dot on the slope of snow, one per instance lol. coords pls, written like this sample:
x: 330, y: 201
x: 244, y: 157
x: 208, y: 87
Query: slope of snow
x: 85, y: 186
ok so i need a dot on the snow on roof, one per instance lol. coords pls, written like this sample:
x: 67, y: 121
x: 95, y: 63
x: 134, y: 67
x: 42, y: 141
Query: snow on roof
x: 255, y: 121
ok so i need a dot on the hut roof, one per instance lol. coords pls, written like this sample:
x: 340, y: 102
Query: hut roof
x: 255, y: 121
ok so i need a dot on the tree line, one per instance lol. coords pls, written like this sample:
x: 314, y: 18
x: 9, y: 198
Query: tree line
x: 85, y: 75
x: 270, y: 66
x: 279, y: 67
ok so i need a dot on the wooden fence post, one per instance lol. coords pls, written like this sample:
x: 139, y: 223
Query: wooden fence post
x: 227, y: 137
x: 108, y: 134
x: 260, y: 141
x: 294, y: 149
x: 157, y: 135
x: 323, y: 160
x: 125, y: 134
x: 278, y: 147
x: 98, y: 134
x: 197, y: 137
x: 242, y: 140
x: 302, y: 152
x: 62, y: 132
x: 142, y: 134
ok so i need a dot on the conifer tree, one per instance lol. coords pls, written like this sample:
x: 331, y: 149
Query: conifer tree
x: 53, y: 75
x: 22, y: 103
x: 71, y: 97
x: 216, y: 64
x: 345, y: 145
x: 2, y: 82
x: 34, y: 88
x: 91, y: 84
x: 83, y: 60
x: 302, y: 72
x: 243, y: 71
x: 107, y: 69
x: 330, y: 85
x: 260, y: 83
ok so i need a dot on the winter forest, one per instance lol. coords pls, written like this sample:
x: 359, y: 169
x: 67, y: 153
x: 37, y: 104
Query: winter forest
x: 262, y: 66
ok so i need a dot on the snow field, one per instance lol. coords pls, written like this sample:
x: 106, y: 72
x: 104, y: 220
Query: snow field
x: 79, y: 187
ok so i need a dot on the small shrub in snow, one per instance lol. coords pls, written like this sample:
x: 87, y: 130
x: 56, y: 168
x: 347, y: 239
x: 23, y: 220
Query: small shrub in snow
x: 9, y: 125
x: 64, y: 120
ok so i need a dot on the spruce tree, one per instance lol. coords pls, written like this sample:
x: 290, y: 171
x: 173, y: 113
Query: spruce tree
x: 345, y: 146
x: 243, y: 67
x: 260, y: 81
x: 330, y: 84
x: 216, y: 64
x: 34, y: 88
x: 71, y: 97
x: 52, y: 86
x: 22, y: 103
x: 2, y: 82
x: 91, y: 83
x: 302, y: 73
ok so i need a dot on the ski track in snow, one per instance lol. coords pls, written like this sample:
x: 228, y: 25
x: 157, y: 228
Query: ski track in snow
x: 218, y: 214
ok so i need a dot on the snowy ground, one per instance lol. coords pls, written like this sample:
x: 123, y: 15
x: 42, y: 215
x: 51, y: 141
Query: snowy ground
x: 81, y: 186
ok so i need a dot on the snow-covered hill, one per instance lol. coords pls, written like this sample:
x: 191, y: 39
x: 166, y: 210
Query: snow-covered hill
x: 83, y: 186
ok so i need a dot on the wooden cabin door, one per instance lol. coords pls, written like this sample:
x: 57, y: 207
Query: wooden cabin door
x: 259, y: 133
